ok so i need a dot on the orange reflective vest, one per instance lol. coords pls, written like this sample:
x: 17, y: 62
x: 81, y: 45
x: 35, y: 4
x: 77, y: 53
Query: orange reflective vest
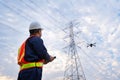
x: 25, y: 64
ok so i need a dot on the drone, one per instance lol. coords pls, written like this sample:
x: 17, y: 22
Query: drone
x: 91, y: 45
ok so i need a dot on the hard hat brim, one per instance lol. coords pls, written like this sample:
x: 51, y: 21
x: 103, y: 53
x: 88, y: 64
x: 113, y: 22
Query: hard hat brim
x: 38, y: 28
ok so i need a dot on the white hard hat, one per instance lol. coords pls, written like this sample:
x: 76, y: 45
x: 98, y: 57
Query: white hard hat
x: 34, y: 25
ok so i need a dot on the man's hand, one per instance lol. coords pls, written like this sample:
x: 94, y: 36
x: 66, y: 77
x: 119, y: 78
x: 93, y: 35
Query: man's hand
x: 51, y: 59
x: 45, y: 62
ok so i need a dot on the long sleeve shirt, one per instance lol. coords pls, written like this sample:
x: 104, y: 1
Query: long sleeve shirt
x: 35, y: 50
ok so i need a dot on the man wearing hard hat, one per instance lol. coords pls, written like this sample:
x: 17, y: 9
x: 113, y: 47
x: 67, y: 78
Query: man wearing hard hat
x: 32, y: 55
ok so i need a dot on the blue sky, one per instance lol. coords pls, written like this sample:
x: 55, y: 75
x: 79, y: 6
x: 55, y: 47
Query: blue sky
x: 98, y: 21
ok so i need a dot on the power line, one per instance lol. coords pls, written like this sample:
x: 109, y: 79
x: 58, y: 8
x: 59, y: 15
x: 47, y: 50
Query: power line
x: 10, y: 27
x: 14, y: 10
x: 37, y: 12
x: 18, y: 13
x: 58, y: 11
x: 43, y: 10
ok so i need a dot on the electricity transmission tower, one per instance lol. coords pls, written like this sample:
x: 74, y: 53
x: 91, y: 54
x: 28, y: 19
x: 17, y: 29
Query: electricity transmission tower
x: 73, y: 69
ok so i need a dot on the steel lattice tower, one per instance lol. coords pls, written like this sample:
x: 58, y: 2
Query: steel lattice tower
x: 74, y: 70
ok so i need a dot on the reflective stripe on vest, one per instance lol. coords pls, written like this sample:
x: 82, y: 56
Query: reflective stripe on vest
x: 23, y: 63
x: 31, y: 65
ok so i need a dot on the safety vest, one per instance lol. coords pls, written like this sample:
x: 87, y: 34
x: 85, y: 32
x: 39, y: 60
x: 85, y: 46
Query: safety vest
x: 25, y: 64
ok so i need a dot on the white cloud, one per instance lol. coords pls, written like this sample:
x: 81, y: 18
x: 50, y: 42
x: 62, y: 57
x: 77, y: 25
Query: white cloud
x: 114, y: 63
x: 5, y: 78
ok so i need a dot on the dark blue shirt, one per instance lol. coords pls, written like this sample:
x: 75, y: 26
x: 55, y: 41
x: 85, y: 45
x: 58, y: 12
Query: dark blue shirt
x: 35, y: 50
